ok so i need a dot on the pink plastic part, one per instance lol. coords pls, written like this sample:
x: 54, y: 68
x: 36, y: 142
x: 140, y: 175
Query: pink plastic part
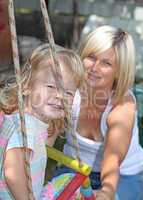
x: 3, y: 142
x: 89, y: 198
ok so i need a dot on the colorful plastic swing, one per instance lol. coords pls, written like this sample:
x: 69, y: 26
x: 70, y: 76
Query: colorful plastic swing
x: 68, y: 183
x: 65, y: 186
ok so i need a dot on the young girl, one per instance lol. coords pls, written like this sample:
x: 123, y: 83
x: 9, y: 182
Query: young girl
x: 42, y: 103
x: 106, y: 117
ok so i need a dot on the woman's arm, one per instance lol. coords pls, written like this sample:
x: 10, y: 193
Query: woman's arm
x: 15, y: 175
x: 120, y: 124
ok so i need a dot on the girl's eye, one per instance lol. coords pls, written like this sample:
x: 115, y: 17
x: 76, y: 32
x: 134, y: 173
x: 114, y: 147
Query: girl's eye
x: 69, y: 93
x: 50, y: 86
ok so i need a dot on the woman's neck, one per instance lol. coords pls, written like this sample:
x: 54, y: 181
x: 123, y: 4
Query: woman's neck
x: 94, y: 98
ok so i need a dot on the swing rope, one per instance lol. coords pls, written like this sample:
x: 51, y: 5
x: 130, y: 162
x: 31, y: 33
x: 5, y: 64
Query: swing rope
x: 80, y: 178
x: 20, y: 96
x: 58, y: 78
x: 59, y: 83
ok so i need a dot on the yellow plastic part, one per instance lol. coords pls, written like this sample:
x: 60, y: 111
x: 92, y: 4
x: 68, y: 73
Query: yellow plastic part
x: 68, y: 161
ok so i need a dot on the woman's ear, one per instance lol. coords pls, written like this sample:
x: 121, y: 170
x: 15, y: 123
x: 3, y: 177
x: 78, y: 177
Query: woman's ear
x: 115, y: 80
x: 114, y: 84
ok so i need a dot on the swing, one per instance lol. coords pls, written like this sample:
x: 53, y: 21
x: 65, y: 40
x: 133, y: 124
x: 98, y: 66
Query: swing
x: 65, y: 186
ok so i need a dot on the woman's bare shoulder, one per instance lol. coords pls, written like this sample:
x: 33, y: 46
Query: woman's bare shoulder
x: 124, y: 110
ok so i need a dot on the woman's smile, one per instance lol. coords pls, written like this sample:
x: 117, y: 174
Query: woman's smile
x: 93, y: 76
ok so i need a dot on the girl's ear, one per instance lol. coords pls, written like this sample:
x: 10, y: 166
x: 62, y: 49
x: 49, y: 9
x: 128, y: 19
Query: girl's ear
x: 26, y: 91
x: 26, y: 88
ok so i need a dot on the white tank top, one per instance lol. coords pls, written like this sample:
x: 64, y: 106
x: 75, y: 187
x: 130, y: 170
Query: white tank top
x: 91, y: 151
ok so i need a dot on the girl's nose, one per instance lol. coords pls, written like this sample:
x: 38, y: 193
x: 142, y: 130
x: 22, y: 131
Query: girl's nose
x: 59, y: 95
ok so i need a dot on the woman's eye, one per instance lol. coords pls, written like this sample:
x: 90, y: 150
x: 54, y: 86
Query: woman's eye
x: 91, y: 58
x: 106, y: 63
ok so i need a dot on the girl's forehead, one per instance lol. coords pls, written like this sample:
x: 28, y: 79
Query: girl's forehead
x: 49, y: 63
x: 45, y: 71
x: 45, y: 75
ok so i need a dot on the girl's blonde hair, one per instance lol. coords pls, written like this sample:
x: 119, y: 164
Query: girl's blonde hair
x: 66, y: 57
x: 105, y: 37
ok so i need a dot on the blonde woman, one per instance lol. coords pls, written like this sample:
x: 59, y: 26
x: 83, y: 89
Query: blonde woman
x: 105, y: 115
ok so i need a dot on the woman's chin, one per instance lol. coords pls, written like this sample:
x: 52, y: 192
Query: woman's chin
x: 91, y: 83
x: 94, y: 83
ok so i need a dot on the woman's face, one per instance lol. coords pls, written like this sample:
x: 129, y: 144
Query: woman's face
x: 101, y: 69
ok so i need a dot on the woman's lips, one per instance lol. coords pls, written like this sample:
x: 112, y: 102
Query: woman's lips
x: 93, y: 77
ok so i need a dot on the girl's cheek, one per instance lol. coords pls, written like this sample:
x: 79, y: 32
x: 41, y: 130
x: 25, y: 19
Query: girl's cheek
x: 70, y: 102
x: 36, y: 100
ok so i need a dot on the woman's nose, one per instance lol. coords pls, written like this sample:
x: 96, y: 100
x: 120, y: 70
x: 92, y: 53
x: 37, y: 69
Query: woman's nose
x: 96, y: 65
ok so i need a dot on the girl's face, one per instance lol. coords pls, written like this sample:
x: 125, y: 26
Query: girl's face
x: 44, y: 99
x: 100, y: 70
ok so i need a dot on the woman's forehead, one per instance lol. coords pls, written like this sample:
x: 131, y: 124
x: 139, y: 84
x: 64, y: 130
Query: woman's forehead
x: 107, y: 54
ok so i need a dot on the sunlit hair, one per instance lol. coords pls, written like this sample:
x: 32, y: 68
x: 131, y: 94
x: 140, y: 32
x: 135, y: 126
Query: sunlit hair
x: 105, y: 37
x: 37, y: 61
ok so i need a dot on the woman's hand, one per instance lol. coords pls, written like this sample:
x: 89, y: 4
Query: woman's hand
x: 104, y: 195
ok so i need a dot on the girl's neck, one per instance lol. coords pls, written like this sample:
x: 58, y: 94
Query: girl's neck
x: 30, y: 110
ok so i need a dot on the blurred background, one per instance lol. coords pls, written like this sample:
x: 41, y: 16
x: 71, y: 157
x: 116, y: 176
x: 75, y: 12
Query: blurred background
x: 71, y: 20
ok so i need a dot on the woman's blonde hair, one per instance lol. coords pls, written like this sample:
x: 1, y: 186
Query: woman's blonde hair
x: 66, y: 57
x: 105, y: 37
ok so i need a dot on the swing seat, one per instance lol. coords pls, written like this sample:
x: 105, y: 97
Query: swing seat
x: 53, y: 189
